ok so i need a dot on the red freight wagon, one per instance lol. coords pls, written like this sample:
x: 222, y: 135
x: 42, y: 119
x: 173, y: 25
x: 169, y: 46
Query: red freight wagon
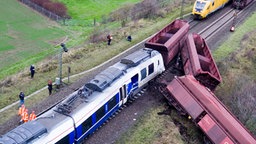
x: 213, y: 131
x: 212, y: 106
x: 169, y: 40
x: 198, y: 61
x: 240, y: 4
x: 184, y: 99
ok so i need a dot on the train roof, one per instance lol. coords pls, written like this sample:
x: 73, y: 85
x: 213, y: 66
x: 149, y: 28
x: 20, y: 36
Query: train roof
x: 88, y: 93
x: 106, y: 77
x: 23, y: 133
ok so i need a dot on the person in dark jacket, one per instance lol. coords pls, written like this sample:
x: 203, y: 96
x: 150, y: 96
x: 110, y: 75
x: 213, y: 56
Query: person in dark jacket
x: 50, y: 87
x: 109, y: 37
x: 129, y: 38
x: 21, y: 96
x: 32, y: 71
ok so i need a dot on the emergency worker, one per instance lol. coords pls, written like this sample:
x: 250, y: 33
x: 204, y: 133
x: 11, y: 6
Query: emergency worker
x: 22, y: 110
x: 32, y: 116
x: 24, y: 117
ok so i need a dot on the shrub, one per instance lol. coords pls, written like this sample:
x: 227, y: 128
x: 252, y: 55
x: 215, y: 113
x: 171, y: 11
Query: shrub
x: 55, y: 7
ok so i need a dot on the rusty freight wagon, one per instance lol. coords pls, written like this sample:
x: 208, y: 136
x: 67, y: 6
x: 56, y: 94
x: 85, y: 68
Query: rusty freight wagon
x: 198, y: 61
x: 169, y: 40
x: 206, y: 110
x: 240, y: 4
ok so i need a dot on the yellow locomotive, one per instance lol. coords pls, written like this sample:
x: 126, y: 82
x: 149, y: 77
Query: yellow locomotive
x: 202, y: 8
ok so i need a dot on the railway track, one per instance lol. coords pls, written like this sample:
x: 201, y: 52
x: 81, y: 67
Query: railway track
x: 225, y: 19
x: 193, y: 24
x: 215, y: 26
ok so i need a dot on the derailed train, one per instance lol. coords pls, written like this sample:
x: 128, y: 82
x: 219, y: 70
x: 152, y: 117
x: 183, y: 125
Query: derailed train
x: 86, y: 109
x: 90, y: 106
x: 192, y: 94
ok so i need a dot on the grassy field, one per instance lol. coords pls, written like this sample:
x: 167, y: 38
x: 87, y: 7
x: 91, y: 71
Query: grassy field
x: 26, y: 37
x: 234, y: 42
x: 90, y: 9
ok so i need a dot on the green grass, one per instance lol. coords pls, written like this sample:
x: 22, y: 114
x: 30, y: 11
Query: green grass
x: 233, y: 42
x: 25, y: 37
x: 90, y: 9
x: 152, y: 128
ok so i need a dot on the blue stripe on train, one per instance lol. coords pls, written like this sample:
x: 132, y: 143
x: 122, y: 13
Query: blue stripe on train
x: 114, y: 109
x: 92, y: 129
x: 130, y: 87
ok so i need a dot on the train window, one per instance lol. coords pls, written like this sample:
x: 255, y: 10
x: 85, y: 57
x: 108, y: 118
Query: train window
x: 150, y: 68
x: 112, y: 103
x: 135, y: 78
x: 143, y: 73
x: 158, y: 62
x: 87, y: 124
x: 100, y: 113
x: 64, y: 140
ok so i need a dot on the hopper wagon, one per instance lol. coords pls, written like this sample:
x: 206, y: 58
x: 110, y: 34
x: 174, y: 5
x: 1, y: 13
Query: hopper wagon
x: 198, y: 61
x: 169, y: 40
x: 206, y: 110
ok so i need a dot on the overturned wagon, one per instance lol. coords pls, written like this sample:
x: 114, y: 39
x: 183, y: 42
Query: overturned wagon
x: 191, y: 98
x: 169, y: 40
x: 198, y: 61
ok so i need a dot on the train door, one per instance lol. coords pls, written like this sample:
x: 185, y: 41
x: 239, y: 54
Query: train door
x: 123, y: 94
x: 135, y: 80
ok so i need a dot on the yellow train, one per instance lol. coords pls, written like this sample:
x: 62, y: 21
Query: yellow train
x: 202, y: 8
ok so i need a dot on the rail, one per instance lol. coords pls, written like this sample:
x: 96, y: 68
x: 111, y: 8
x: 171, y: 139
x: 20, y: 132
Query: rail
x: 222, y: 21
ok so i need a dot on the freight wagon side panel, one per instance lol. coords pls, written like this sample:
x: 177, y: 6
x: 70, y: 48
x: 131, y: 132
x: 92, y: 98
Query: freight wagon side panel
x: 213, y: 131
x: 198, y: 61
x: 205, y: 57
x: 184, y: 98
x: 169, y: 40
x: 214, y: 107
x: 189, y: 56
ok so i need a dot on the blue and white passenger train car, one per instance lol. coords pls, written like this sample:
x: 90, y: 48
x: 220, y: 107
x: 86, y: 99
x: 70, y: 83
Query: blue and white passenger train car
x: 86, y: 109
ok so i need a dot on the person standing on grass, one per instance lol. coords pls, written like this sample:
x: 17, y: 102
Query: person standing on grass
x: 129, y: 38
x: 50, y: 87
x: 21, y: 96
x: 32, y: 71
x: 109, y: 37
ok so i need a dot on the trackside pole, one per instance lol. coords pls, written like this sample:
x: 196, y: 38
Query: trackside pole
x: 232, y: 29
